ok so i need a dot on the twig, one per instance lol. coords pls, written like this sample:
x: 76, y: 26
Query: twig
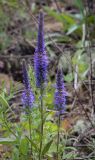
x: 57, y: 6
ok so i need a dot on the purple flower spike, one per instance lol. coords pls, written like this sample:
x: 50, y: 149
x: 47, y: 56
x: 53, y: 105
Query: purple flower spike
x: 40, y: 42
x: 60, y: 93
x: 27, y: 95
x: 40, y: 57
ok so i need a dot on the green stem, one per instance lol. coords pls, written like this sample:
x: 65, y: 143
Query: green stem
x: 30, y: 131
x: 58, y: 137
x: 42, y: 122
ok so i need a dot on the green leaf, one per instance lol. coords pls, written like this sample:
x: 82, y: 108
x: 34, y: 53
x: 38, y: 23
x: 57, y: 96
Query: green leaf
x: 33, y: 144
x: 69, y: 77
x: 46, y: 148
x: 54, y: 14
x: 11, y: 3
x: 7, y: 141
x: 72, y: 29
x: 4, y: 102
x: 66, y: 19
x: 83, y: 66
x: 77, y: 57
x: 79, y: 4
x: 15, y: 154
x: 24, y: 146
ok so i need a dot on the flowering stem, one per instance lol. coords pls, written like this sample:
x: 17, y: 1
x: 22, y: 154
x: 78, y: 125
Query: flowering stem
x: 58, y: 137
x: 42, y: 122
x: 30, y: 131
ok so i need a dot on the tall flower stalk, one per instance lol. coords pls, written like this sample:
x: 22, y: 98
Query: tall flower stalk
x: 27, y: 98
x: 60, y: 101
x: 40, y: 56
x: 40, y: 67
x: 42, y: 123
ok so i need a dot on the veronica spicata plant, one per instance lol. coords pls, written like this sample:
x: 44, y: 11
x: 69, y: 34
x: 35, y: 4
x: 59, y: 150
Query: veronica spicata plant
x: 40, y: 67
x: 27, y: 99
x: 60, y: 102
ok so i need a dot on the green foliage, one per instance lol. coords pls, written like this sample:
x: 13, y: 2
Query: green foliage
x: 74, y: 25
x: 24, y: 146
x: 7, y: 141
x: 17, y: 135
x: 66, y: 19
x: 46, y: 148
x: 3, y: 102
